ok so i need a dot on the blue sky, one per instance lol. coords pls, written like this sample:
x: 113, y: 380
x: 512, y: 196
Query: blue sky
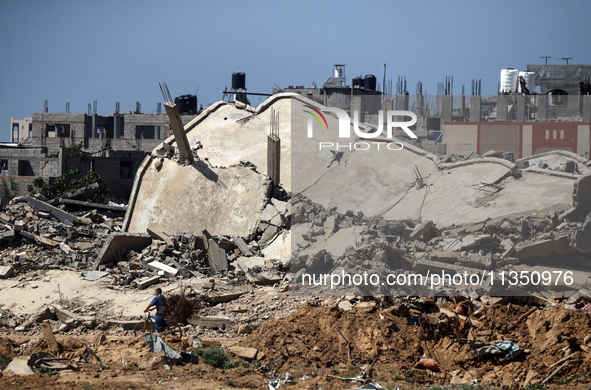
x: 109, y: 51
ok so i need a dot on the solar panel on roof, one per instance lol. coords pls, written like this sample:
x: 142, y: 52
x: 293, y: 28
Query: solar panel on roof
x: 332, y: 82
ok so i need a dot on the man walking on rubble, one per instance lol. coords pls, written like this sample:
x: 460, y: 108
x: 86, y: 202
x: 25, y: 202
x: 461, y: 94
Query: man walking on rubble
x: 159, y: 303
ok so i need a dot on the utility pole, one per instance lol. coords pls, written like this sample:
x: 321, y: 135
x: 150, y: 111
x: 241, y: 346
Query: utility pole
x: 546, y: 57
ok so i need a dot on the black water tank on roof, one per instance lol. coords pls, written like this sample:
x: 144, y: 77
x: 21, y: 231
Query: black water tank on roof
x: 370, y: 82
x: 191, y: 105
x: 358, y: 81
x: 180, y: 103
x: 238, y: 80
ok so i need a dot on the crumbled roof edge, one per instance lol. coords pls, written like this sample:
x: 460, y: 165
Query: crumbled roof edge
x: 563, y: 153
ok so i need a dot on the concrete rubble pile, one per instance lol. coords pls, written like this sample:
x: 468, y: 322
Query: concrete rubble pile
x: 221, y: 268
x: 92, y: 241
x: 408, y: 246
x: 40, y: 236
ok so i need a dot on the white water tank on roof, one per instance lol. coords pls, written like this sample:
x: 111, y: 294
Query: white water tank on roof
x: 509, y: 80
x: 530, y: 81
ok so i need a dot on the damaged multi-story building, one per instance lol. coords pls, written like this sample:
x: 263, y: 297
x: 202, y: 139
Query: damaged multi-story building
x: 547, y: 107
x: 50, y: 144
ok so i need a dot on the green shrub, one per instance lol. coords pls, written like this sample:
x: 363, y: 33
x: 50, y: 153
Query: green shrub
x: 4, y: 363
x: 67, y: 183
x: 216, y: 357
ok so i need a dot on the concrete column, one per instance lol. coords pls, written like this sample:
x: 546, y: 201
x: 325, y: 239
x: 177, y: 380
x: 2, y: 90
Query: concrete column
x: 527, y: 145
x: 583, y: 139
x: 116, y: 124
x: 521, y: 108
x: 447, y: 103
x: 402, y: 102
x: 180, y: 136
x: 475, y: 108
x: 541, y: 107
x: 274, y: 159
x: 502, y: 109
x: 463, y: 108
x: 87, y: 133
x: 587, y: 108
x: 62, y: 161
x: 420, y: 105
x: 94, y: 125
x: 387, y: 105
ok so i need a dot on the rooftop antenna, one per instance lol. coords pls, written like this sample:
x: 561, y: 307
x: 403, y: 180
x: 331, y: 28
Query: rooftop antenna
x: 384, y: 82
x: 546, y: 57
x: 566, y: 59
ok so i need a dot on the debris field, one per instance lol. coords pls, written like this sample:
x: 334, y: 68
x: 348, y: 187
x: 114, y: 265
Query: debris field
x: 76, y: 276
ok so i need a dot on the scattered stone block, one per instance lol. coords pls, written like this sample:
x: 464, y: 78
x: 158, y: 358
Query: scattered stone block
x: 218, y: 261
x: 19, y: 366
x: 6, y: 271
x: 243, y: 352
x: 212, y: 322
x: 168, y: 270
x: 52, y: 345
x: 422, y: 231
x: 147, y: 282
x: 100, y: 339
x: 245, y: 329
x: 241, y: 244
x: 543, y: 248
x: 446, y: 257
x: 367, y: 307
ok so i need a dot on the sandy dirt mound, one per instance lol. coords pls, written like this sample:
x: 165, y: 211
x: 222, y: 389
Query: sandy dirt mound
x: 392, y: 344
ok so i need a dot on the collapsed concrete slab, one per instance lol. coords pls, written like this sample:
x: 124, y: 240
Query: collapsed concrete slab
x: 59, y: 214
x: 225, y: 201
x: 409, y: 183
x: 543, y: 248
x: 188, y: 199
x: 216, y: 256
x: 118, y: 244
